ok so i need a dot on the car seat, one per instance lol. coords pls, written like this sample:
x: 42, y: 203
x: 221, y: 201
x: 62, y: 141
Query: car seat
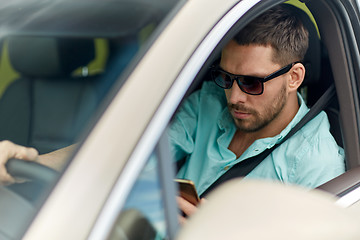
x: 47, y: 106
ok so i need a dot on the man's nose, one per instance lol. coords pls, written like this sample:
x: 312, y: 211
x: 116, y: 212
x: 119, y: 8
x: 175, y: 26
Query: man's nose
x: 236, y: 94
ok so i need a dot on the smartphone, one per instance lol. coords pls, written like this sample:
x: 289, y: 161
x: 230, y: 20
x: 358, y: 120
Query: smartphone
x: 188, y: 191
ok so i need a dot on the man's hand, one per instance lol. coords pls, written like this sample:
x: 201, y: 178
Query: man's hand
x: 11, y: 150
x: 187, y: 208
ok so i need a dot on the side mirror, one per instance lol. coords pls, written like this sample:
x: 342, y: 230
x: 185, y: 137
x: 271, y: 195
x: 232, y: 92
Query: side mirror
x: 132, y: 225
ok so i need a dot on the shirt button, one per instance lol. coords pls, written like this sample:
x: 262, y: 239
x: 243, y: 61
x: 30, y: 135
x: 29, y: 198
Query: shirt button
x: 226, y: 168
x: 256, y: 150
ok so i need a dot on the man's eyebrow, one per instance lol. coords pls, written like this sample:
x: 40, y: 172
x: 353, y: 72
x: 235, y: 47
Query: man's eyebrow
x: 249, y: 75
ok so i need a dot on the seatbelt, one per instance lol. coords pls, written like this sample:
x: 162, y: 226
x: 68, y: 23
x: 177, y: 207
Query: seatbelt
x: 244, y: 167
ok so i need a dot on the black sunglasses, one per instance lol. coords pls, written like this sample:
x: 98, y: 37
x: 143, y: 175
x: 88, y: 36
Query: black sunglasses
x: 248, y: 84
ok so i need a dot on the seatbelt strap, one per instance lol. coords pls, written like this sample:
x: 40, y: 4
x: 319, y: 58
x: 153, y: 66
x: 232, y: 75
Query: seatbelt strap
x: 244, y: 167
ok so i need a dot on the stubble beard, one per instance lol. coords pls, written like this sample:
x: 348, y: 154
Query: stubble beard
x: 258, y: 121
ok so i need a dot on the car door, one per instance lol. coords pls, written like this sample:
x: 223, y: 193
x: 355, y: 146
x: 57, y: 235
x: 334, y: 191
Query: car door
x: 126, y: 151
x: 195, y: 69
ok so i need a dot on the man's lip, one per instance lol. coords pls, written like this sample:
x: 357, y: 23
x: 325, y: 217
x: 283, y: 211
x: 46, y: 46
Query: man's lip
x: 241, y: 115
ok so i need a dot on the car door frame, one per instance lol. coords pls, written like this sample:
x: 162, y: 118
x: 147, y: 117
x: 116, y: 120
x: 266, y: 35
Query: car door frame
x: 201, y: 58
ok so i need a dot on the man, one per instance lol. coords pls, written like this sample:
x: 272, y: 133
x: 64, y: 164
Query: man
x: 236, y: 117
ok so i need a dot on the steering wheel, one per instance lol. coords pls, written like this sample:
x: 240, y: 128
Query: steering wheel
x: 38, y: 178
x: 18, y: 210
x: 31, y: 170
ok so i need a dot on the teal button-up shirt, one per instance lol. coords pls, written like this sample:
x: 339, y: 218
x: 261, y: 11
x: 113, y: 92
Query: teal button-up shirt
x: 203, y: 129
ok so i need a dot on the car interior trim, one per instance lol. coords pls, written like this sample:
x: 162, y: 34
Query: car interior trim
x: 350, y: 38
x: 349, y: 48
x: 342, y: 52
x: 329, y: 26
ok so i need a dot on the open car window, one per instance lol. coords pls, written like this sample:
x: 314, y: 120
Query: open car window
x: 202, y: 118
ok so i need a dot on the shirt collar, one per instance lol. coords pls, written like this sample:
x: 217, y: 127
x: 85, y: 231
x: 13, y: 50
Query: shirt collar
x: 225, y: 120
x: 303, y: 109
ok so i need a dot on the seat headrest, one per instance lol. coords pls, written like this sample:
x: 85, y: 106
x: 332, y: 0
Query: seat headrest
x: 312, y: 59
x: 45, y: 57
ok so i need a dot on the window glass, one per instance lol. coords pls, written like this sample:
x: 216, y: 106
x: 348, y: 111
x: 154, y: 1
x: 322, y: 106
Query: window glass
x: 57, y: 74
x: 59, y: 61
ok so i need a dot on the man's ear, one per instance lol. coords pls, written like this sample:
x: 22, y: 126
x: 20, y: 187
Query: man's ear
x: 297, y: 74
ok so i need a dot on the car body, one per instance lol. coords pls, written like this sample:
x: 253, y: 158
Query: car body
x: 151, y: 55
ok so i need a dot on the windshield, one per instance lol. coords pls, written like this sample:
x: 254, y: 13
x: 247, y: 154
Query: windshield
x: 59, y: 61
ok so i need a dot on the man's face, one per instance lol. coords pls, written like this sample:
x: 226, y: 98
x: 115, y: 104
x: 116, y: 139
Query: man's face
x: 252, y: 113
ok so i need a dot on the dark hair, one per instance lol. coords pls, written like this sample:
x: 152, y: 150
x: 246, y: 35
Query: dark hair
x: 280, y: 29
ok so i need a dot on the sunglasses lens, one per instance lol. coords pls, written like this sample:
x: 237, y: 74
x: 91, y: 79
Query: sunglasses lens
x: 222, y: 79
x: 251, y: 85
